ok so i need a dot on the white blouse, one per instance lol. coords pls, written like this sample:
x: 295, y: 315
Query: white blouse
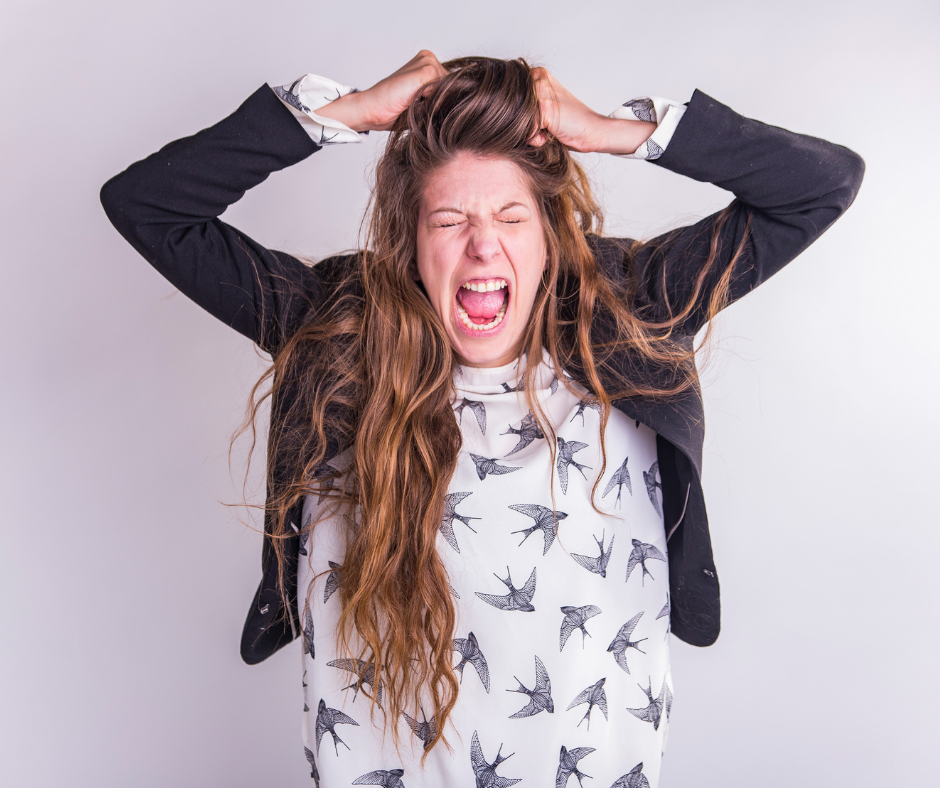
x: 561, y: 641
x: 310, y: 92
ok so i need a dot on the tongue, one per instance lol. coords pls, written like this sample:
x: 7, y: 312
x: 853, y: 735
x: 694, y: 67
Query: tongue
x: 483, y: 306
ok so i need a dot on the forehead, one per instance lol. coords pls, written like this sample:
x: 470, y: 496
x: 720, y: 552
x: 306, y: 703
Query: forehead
x: 473, y: 183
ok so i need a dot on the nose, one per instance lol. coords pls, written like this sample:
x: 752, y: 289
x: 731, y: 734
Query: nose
x: 484, y: 244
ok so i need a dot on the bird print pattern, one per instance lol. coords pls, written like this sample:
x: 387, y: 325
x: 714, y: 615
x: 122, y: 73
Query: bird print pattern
x: 620, y: 479
x: 575, y: 618
x: 478, y: 408
x: 469, y: 651
x: 332, y: 581
x: 622, y: 642
x: 485, y: 771
x: 566, y: 450
x: 530, y: 565
x: 545, y: 521
x: 642, y: 108
x: 540, y: 696
x: 517, y: 598
x: 450, y: 514
x: 388, y: 778
x: 327, y: 720
x: 592, y: 696
x: 632, y: 779
x: 568, y: 765
x: 425, y: 730
x: 597, y: 564
x: 649, y: 478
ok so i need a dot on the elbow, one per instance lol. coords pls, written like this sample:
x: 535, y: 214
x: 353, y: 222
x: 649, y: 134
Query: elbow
x: 858, y: 173
x: 851, y: 174
x: 113, y: 199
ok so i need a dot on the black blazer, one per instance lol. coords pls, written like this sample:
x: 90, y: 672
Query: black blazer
x: 167, y: 207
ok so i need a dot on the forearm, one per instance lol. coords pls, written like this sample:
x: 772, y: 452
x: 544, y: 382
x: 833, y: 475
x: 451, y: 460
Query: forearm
x: 619, y: 136
x: 349, y: 111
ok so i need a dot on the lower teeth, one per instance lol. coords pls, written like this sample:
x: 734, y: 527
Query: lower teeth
x: 481, y: 326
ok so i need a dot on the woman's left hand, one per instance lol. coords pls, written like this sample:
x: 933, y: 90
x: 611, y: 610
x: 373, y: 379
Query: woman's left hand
x: 580, y: 128
x: 569, y: 120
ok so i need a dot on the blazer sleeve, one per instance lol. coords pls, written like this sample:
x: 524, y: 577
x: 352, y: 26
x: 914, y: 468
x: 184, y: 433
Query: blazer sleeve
x: 793, y: 186
x: 167, y: 207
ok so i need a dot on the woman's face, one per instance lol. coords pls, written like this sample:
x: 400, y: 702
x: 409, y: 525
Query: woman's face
x: 481, y: 253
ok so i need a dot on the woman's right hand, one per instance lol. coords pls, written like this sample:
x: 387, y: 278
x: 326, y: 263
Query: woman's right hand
x: 379, y: 107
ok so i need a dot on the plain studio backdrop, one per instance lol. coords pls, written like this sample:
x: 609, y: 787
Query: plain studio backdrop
x: 125, y: 581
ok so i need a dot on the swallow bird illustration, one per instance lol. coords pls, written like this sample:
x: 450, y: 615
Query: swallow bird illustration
x: 633, y: 779
x: 426, y: 731
x: 649, y: 478
x: 308, y: 754
x: 620, y: 479
x: 450, y: 514
x: 540, y: 697
x: 597, y: 564
x: 388, y: 778
x: 545, y: 521
x: 469, y: 651
x: 302, y: 535
x: 582, y: 404
x: 592, y: 696
x: 665, y: 612
x: 622, y: 642
x: 640, y: 554
x: 327, y: 720
x: 364, y: 675
x: 574, y: 619
x: 508, y: 389
x: 478, y: 408
x: 528, y: 431
x: 332, y: 581
x: 308, y: 631
x: 568, y: 765
x: 565, y: 451
x: 486, y: 772
x: 654, y: 711
x: 517, y: 598
x: 642, y: 108
x: 487, y: 465
x: 290, y: 97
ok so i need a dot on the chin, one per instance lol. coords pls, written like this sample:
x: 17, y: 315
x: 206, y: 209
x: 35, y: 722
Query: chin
x: 485, y: 354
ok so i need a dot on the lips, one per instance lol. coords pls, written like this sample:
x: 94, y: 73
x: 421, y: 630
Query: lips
x: 481, y: 306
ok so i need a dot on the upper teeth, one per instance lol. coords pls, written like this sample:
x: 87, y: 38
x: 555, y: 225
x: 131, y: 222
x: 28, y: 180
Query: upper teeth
x: 492, y: 284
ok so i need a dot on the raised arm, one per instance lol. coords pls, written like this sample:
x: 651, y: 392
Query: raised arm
x: 167, y: 205
x: 793, y: 187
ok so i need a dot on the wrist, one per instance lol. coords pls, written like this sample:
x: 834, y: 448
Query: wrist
x: 348, y: 110
x: 619, y: 136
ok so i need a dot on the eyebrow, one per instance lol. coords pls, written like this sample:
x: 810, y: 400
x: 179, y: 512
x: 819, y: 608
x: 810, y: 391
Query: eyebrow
x: 506, y: 207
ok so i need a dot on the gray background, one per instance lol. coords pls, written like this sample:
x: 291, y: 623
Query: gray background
x: 124, y: 579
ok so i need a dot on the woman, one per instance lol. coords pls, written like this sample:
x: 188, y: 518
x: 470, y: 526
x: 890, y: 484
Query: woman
x: 475, y: 580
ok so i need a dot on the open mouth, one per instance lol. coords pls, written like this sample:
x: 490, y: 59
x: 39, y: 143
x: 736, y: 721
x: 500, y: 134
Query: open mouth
x: 481, y: 304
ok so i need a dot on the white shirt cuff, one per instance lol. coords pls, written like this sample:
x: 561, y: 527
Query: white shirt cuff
x: 306, y: 95
x: 665, y: 113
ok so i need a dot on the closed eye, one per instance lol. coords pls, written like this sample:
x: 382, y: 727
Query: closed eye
x: 505, y: 221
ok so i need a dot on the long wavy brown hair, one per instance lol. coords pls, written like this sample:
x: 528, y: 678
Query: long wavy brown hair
x: 371, y: 371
